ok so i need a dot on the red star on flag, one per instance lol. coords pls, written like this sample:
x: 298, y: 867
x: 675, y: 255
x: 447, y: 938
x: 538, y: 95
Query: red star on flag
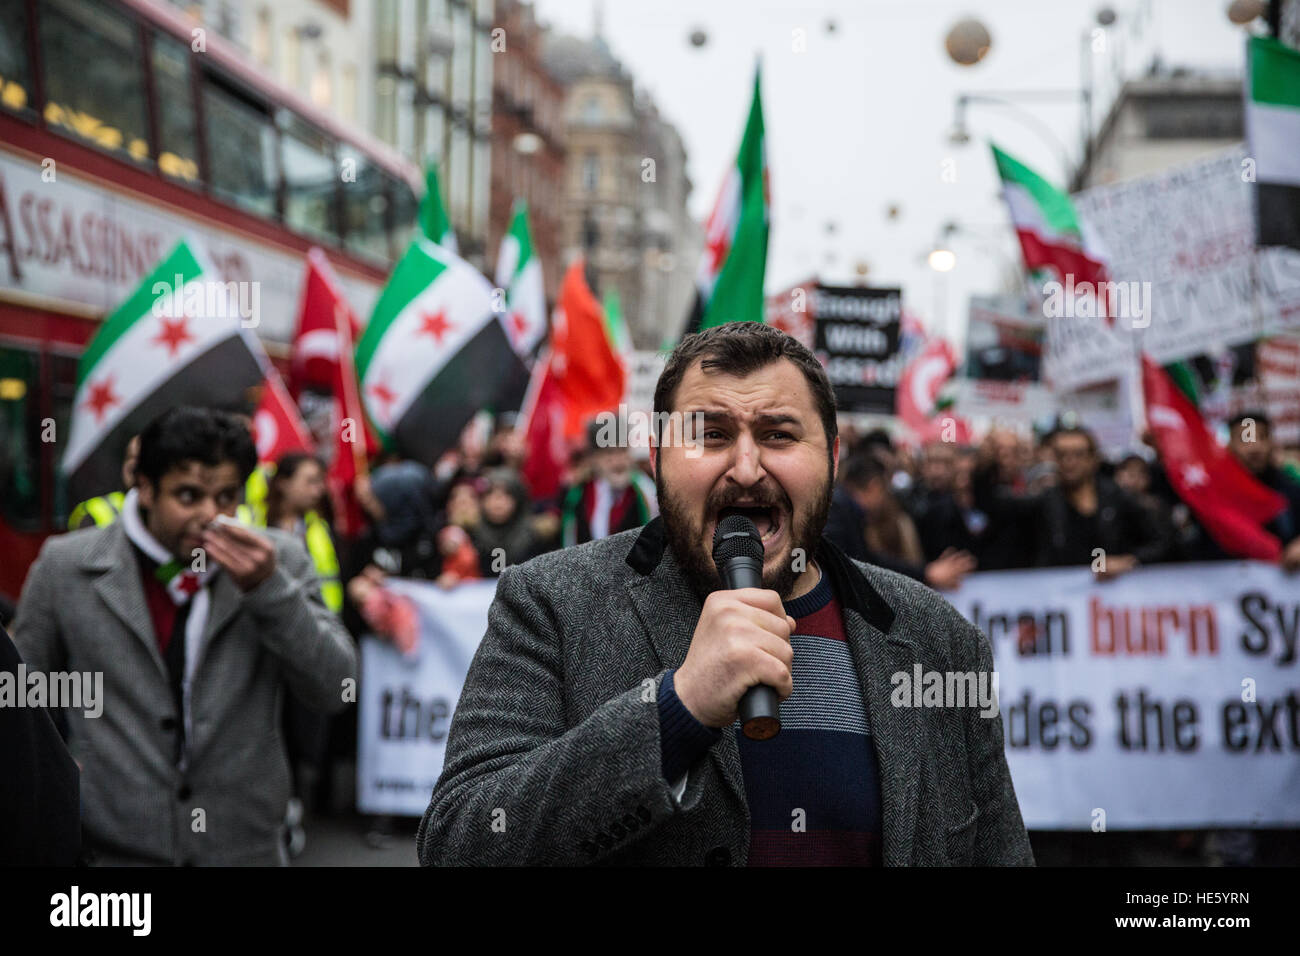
x: 717, y: 249
x: 519, y: 325
x: 436, y: 325
x: 101, y: 398
x: 174, y: 334
x: 384, y: 396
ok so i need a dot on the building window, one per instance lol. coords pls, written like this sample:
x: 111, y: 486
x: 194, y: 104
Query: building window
x: 176, y: 126
x: 15, y: 69
x: 292, y: 73
x: 590, y: 173
x: 322, y: 85
x: 93, y: 77
x: 262, y: 37
x: 591, y: 109
x: 348, y: 93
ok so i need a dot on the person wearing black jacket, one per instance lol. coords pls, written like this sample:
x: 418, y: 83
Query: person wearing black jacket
x: 1085, y: 519
x: 40, y: 788
x: 862, y: 481
x: 1250, y: 438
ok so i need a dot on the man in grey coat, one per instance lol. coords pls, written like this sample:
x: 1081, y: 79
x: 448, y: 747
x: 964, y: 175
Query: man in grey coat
x: 598, y: 722
x: 194, y: 624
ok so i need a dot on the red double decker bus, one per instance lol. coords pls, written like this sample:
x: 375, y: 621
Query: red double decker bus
x: 123, y: 130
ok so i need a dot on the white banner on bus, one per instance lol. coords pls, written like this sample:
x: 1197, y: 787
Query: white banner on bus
x: 1169, y: 697
x: 90, y: 245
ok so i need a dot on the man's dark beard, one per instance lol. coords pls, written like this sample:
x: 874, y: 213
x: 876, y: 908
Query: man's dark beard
x: 695, y: 555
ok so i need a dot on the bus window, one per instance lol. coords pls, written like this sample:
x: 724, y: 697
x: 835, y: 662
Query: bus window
x: 176, y: 126
x: 63, y: 391
x: 93, y: 78
x: 404, y: 210
x: 241, y: 148
x: 20, y: 439
x: 15, y: 68
x: 365, y: 204
x: 310, y: 180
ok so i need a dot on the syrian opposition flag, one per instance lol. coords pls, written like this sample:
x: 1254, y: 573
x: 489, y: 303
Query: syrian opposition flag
x: 729, y: 283
x: 1229, y: 501
x: 434, y: 222
x: 519, y: 273
x: 917, y: 402
x: 1048, y: 229
x: 1273, y: 135
x: 278, y: 428
x: 615, y: 327
x: 178, y: 339
x: 434, y: 353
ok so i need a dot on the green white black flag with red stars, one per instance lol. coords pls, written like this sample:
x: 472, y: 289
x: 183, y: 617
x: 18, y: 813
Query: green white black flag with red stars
x: 434, y: 354
x: 181, y: 338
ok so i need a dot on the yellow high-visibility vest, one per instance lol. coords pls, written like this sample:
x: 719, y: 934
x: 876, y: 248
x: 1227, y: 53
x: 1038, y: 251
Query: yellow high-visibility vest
x: 104, y: 510
x: 321, y: 548
x: 256, y: 489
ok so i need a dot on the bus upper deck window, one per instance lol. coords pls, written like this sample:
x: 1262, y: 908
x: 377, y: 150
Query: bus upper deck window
x: 15, y: 65
x: 176, y: 126
x: 94, y: 86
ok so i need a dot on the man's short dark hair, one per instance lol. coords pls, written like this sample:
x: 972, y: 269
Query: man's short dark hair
x: 1050, y: 437
x: 187, y: 434
x: 878, y: 438
x: 1258, y: 416
x: 741, y: 348
x: 861, y: 469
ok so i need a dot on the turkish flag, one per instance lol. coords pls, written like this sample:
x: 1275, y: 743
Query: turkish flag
x: 916, y: 400
x: 322, y: 358
x: 1229, y: 501
x: 588, y: 370
x: 278, y: 428
x: 317, y: 344
x: 542, y: 422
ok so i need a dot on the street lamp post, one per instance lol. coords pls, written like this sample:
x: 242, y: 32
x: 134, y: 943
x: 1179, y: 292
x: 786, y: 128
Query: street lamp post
x: 960, y: 135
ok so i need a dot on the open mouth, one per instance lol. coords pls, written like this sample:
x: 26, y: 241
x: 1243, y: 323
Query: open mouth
x: 768, y: 519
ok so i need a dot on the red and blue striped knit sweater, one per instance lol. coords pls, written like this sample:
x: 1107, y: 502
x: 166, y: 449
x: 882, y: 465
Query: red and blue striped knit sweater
x: 814, y: 789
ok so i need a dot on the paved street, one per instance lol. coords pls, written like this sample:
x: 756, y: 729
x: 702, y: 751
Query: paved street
x: 342, y: 841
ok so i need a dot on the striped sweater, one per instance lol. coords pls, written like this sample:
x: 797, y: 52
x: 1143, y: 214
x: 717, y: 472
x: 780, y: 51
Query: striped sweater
x: 814, y: 789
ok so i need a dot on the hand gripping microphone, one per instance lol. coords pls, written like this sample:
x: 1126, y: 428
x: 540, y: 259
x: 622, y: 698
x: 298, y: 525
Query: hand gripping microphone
x: 738, y: 553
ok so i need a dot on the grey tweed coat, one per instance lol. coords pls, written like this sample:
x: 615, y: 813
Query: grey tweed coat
x: 554, y: 757
x: 83, y: 609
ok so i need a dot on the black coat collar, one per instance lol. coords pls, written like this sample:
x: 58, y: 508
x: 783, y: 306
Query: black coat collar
x: 854, y: 590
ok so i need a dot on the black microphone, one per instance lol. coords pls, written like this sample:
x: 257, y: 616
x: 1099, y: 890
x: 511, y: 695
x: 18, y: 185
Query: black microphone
x: 738, y: 553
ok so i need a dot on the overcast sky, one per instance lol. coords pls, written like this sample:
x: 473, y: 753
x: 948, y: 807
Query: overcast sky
x: 859, y: 121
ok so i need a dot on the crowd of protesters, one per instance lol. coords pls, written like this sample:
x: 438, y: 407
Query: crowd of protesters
x: 1016, y: 501
x: 936, y: 513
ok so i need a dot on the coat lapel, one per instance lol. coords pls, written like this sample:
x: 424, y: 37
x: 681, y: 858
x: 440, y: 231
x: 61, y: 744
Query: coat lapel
x: 118, y: 585
x: 669, y: 609
x: 879, y: 651
x: 226, y: 602
x: 893, y: 730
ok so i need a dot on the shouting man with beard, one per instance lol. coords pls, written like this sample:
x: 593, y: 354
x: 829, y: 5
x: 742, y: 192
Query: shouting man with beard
x: 598, y: 722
